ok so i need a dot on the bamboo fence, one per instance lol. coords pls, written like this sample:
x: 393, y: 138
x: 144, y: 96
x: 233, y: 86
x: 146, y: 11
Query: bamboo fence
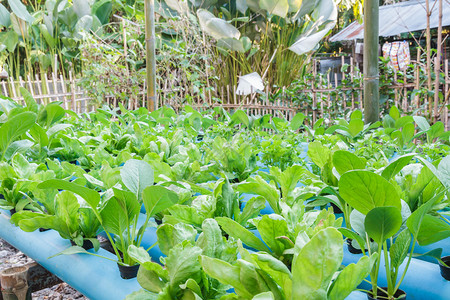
x: 339, y: 93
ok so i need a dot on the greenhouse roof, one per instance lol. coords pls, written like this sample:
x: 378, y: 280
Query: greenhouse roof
x: 398, y: 18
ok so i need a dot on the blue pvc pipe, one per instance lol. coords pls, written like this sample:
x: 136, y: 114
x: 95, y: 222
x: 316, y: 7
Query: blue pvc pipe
x: 422, y: 280
x: 265, y: 211
x: 96, y: 278
x: 149, y: 239
x: 357, y: 295
x: 444, y: 244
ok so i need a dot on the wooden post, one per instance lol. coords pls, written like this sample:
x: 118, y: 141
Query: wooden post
x: 437, y: 64
x: 371, y: 72
x: 14, y: 284
x: 428, y: 36
x: 72, y: 91
x: 151, y: 55
x: 417, y: 86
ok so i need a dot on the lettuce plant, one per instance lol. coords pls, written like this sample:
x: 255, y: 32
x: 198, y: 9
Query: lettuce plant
x: 69, y: 219
x: 182, y: 276
x: 18, y: 180
x: 313, y: 275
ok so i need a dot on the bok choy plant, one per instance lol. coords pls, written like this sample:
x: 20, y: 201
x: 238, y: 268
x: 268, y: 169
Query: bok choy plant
x: 119, y: 215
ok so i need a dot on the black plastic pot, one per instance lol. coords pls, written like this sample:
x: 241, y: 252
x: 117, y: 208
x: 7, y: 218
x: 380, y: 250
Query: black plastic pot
x: 87, y: 244
x: 399, y: 295
x: 352, y: 249
x: 128, y: 272
x: 445, y: 271
x: 336, y: 209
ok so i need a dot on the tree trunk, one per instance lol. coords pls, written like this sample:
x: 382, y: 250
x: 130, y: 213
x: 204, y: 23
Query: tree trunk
x: 371, y: 72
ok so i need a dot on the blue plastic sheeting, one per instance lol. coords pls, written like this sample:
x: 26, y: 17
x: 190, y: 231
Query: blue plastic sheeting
x: 422, y: 281
x: 96, y: 278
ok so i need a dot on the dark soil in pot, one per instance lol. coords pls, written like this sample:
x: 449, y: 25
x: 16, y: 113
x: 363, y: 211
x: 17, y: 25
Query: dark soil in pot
x: 352, y: 249
x: 445, y: 271
x: 87, y: 244
x: 128, y: 272
x: 381, y: 295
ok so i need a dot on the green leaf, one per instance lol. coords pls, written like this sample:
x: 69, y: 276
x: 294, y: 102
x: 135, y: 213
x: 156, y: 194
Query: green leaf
x: 102, y: 9
x: 441, y: 172
x: 353, y: 235
x: 225, y: 273
x: 90, y: 196
x: 9, y: 39
x: 20, y: 10
x: 297, y: 121
x: 365, y: 190
x: 382, y: 223
x: 279, y: 8
x: 239, y: 117
x: 399, y: 250
x: 345, y: 161
x: 315, y: 265
x: 264, y: 296
x: 277, y: 270
x: 39, y: 135
x: 432, y: 230
x: 67, y: 211
x: 182, y: 263
x: 4, y: 17
x: 396, y: 166
x: 152, y: 277
x: 355, y: 127
x: 422, y: 123
x: 216, y: 27
x: 394, y: 113
x: 171, y: 235
x: 142, y: 295
x: 211, y: 239
x: 81, y: 8
x: 15, y: 127
x: 157, y: 198
x: 350, y: 277
x: 29, y: 100
x: 70, y: 251
x: 270, y: 229
x: 137, y: 175
x: 237, y: 231
x: 17, y: 147
x: 257, y: 185
x: 52, y: 113
x: 318, y: 154
x: 414, y: 221
x: 119, y: 212
x: 138, y: 254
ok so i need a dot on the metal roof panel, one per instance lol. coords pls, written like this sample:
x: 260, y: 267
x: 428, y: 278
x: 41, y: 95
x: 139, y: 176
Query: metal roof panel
x: 398, y: 18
